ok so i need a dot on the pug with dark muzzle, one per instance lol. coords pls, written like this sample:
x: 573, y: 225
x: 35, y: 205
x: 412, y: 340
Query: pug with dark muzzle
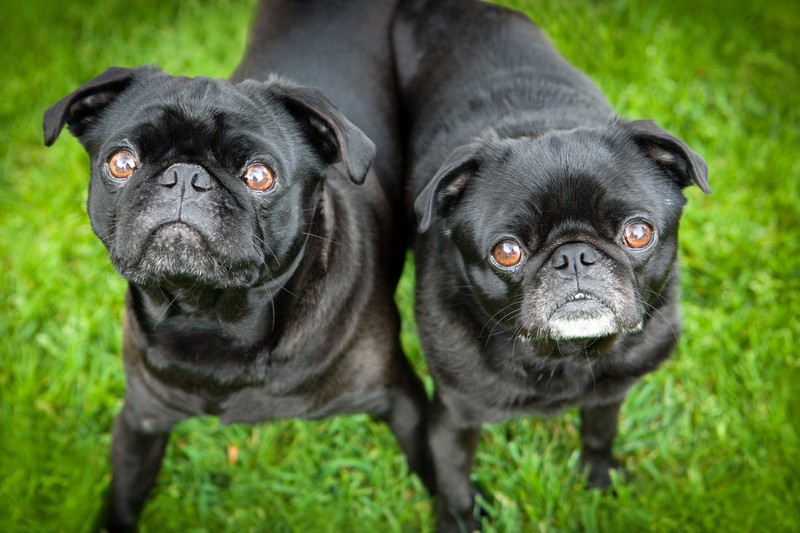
x: 546, y: 264
x: 261, y: 251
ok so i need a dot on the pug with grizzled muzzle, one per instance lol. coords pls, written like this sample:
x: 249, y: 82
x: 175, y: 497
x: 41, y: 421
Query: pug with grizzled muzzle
x: 546, y: 265
x: 261, y: 252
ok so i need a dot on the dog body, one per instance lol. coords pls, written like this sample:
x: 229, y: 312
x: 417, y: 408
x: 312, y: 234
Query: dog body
x: 546, y: 264
x: 257, y: 244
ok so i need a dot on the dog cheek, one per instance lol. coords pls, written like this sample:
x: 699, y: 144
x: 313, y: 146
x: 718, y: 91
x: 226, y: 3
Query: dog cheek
x: 101, y: 207
x: 499, y: 297
x: 538, y: 303
x: 654, y: 274
x: 281, y: 236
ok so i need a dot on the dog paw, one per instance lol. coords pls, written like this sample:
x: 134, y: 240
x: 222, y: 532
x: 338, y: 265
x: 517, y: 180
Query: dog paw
x: 453, y: 522
x: 600, y: 467
x: 467, y: 521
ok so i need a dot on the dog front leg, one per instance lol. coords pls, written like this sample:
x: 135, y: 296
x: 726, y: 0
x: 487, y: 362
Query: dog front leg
x: 136, y: 456
x: 453, y: 447
x: 598, y: 429
x: 407, y: 418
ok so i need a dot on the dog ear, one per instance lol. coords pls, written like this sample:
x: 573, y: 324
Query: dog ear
x: 337, y: 138
x: 671, y: 153
x: 80, y: 108
x: 447, y: 185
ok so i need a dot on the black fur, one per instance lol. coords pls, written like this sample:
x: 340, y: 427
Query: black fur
x: 508, y: 142
x: 245, y: 304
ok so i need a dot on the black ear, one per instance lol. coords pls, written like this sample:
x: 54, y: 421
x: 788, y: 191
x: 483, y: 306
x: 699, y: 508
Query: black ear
x: 447, y: 186
x: 337, y: 138
x: 80, y: 108
x: 671, y: 153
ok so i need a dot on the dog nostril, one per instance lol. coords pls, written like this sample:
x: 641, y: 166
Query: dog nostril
x: 168, y: 179
x: 563, y: 264
x: 588, y: 260
x: 201, y: 182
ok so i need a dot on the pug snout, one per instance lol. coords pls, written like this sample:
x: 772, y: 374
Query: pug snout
x: 574, y: 258
x: 186, y: 177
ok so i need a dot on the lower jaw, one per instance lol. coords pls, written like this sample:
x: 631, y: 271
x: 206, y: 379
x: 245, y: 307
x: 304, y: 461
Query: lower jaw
x: 584, y: 349
x: 187, y: 280
x: 596, y: 326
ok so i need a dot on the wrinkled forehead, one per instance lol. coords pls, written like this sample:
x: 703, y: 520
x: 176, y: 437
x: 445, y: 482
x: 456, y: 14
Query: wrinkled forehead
x: 196, y: 100
x: 571, y: 177
x: 196, y: 117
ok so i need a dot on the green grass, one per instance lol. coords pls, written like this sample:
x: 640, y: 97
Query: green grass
x: 710, y: 441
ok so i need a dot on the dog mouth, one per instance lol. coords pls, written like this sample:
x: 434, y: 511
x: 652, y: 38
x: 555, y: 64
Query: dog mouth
x: 580, y: 296
x: 582, y: 316
x: 177, y: 254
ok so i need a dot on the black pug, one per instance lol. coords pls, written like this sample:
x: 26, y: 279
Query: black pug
x: 546, y: 265
x: 261, y: 253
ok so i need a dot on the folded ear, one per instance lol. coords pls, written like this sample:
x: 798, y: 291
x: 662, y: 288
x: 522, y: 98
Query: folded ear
x: 447, y: 186
x: 80, y: 108
x: 337, y: 138
x: 671, y: 153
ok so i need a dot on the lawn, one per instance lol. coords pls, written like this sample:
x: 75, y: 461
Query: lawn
x: 710, y: 441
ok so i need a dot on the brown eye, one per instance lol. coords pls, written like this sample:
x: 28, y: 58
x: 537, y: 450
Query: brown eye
x: 507, y: 253
x: 638, y: 235
x: 258, y: 177
x: 122, y: 165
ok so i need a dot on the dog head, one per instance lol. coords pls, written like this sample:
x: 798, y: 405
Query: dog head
x: 569, y: 236
x: 199, y: 182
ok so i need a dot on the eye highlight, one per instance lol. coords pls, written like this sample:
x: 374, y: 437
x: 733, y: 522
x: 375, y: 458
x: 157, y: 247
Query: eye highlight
x: 507, y: 253
x: 638, y: 235
x: 122, y: 165
x: 258, y: 177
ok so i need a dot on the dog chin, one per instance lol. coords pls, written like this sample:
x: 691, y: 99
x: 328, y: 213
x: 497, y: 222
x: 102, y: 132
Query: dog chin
x: 177, y: 255
x: 601, y: 324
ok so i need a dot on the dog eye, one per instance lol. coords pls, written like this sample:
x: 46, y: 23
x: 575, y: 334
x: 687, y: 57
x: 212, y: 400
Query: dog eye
x: 258, y: 177
x: 507, y: 253
x: 122, y: 165
x: 638, y: 235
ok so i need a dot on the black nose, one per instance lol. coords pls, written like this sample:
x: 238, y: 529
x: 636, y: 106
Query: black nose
x: 574, y: 257
x: 182, y: 175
